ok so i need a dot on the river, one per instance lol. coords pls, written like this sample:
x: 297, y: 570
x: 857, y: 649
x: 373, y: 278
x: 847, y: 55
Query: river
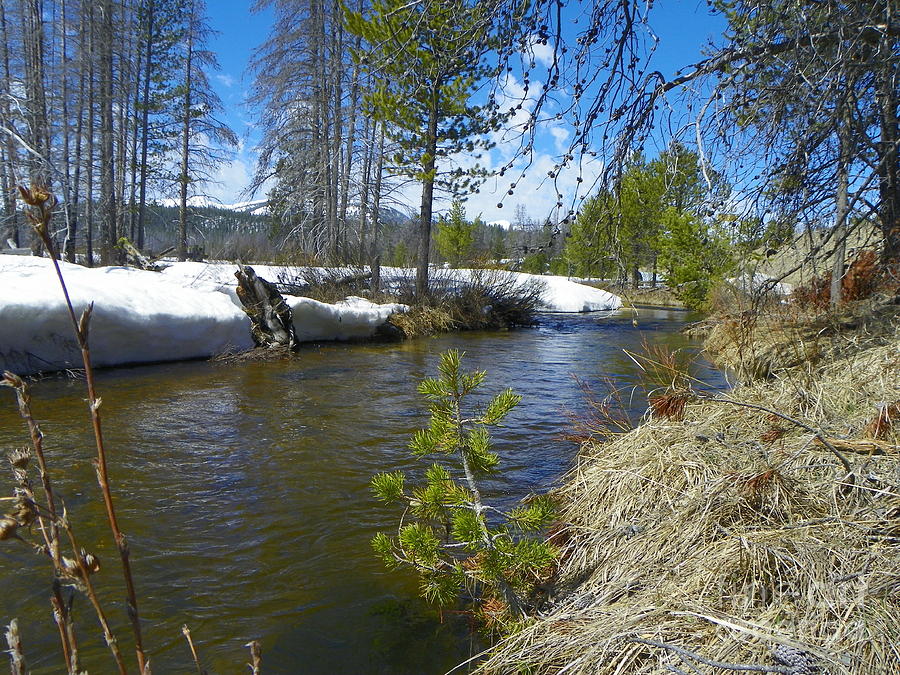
x: 243, y: 488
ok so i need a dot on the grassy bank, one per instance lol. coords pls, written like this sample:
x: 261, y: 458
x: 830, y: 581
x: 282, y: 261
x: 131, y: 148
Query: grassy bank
x: 648, y: 297
x: 762, y: 529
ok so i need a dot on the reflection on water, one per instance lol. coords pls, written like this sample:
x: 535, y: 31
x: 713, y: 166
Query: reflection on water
x: 243, y: 489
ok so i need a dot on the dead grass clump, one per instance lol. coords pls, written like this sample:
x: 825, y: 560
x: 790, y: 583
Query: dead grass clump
x: 693, y: 547
x: 422, y: 320
x: 669, y: 405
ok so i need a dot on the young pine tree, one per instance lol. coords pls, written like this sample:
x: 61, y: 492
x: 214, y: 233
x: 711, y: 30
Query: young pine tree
x: 455, y: 235
x: 459, y: 545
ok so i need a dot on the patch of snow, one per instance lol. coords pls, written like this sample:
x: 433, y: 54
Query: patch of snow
x: 349, y: 319
x: 138, y: 317
x: 142, y: 317
x: 750, y: 283
x: 564, y: 295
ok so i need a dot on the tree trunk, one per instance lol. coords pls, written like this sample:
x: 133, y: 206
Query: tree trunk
x: 89, y: 189
x: 107, y: 135
x: 425, y: 213
x: 842, y: 210
x: 369, y: 146
x: 10, y: 154
x: 35, y: 87
x: 145, y: 124
x: 185, y: 142
x: 889, y: 168
x: 271, y: 321
x: 376, y: 215
x: 72, y: 233
x: 66, y: 136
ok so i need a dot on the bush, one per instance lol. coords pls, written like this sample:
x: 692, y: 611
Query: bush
x: 487, y: 300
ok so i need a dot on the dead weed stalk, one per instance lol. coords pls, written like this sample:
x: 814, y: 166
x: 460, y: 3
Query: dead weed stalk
x: 73, y: 566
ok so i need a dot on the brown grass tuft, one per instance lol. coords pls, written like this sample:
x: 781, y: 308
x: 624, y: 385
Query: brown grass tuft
x: 883, y: 423
x: 670, y: 405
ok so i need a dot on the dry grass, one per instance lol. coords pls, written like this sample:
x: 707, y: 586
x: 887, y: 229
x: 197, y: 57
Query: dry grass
x: 423, y: 320
x: 786, y: 336
x: 693, y: 543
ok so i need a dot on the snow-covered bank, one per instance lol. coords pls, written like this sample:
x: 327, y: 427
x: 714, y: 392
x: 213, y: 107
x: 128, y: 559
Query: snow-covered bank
x: 559, y: 295
x: 142, y: 317
x: 189, y: 311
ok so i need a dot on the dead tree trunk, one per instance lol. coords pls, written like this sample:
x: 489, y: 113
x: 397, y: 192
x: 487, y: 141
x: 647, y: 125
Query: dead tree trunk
x: 272, y: 324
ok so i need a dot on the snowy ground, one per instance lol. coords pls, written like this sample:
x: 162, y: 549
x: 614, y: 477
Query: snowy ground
x: 188, y: 311
x: 560, y: 293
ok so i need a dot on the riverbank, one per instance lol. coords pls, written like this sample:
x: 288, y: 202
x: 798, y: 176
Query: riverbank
x: 191, y: 310
x: 760, y: 529
x: 648, y: 297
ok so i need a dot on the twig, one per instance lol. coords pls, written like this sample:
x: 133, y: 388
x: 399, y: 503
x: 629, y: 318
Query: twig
x: 47, y: 522
x: 84, y: 575
x: 187, y: 636
x: 255, y: 657
x: 23, y: 398
x: 43, y: 202
x: 744, y: 667
x: 62, y: 615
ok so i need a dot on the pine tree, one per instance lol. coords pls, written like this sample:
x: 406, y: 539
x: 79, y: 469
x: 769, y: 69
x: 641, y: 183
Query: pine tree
x: 458, y: 543
x: 427, y: 59
x: 455, y: 234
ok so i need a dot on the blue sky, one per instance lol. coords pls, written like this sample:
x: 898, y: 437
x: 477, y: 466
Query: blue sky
x: 684, y: 28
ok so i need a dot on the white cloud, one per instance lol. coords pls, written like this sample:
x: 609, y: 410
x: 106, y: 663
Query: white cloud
x: 225, y: 80
x: 543, y: 54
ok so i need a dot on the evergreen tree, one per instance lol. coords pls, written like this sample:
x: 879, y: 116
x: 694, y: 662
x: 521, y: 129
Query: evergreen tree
x: 427, y: 59
x: 455, y: 235
x: 458, y: 543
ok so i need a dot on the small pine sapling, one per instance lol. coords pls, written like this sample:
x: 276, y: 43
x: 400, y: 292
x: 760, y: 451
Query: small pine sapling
x: 460, y: 545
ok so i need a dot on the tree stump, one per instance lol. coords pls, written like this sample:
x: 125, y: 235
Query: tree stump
x: 272, y: 324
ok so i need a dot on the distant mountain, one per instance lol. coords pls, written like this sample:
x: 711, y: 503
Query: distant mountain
x: 258, y: 207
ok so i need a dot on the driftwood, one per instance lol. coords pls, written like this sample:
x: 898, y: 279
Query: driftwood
x: 135, y: 258
x: 272, y: 324
x: 862, y: 446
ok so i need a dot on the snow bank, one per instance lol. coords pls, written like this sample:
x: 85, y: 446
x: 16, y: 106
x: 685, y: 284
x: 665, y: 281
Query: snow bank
x: 349, y: 319
x: 143, y: 317
x: 563, y: 295
x: 138, y: 317
x: 560, y: 294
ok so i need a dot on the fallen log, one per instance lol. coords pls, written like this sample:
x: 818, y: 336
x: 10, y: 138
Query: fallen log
x: 271, y: 320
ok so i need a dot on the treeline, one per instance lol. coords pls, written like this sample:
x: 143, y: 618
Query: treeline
x: 796, y: 106
x: 106, y: 103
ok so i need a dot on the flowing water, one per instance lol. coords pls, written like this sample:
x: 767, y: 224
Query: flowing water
x: 243, y: 488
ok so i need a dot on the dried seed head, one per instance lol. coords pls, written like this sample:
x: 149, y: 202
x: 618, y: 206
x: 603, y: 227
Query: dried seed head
x: 8, y: 527
x: 11, y: 380
x: 90, y: 561
x: 24, y: 512
x: 19, y: 458
x: 69, y: 568
x: 89, y: 564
